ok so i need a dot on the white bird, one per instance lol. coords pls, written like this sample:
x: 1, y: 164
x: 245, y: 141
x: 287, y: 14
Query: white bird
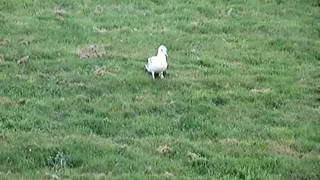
x: 158, y: 64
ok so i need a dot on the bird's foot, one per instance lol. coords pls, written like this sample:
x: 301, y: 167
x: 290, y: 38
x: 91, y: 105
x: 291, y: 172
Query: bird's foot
x: 161, y: 75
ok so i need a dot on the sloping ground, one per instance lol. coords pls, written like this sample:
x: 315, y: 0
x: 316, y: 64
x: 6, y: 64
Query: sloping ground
x: 241, y: 99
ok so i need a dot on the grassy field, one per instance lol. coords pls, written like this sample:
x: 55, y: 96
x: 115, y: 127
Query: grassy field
x: 241, y: 99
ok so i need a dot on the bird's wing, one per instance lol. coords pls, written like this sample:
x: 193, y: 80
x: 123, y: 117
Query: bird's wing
x: 156, y: 64
x: 150, y: 62
x: 152, y: 59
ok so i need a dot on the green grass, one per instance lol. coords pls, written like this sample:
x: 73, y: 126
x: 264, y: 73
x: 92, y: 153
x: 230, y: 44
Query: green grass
x: 77, y: 125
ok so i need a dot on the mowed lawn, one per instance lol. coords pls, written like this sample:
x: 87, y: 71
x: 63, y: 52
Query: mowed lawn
x: 241, y: 99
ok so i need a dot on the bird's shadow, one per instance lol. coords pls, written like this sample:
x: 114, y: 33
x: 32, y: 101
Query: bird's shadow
x: 157, y: 75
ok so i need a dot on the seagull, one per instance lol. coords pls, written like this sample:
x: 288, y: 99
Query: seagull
x: 158, y: 64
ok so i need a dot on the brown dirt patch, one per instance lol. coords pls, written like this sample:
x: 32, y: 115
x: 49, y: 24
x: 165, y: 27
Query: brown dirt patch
x: 283, y: 149
x: 92, y: 51
x: 9, y: 103
x: 102, y: 71
x: 163, y: 150
x: 23, y: 60
x: 59, y: 12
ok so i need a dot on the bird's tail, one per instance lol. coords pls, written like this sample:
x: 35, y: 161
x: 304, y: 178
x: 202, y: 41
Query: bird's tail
x: 147, y: 65
x: 146, y: 68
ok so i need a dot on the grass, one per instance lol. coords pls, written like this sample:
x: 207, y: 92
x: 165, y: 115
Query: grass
x: 241, y: 99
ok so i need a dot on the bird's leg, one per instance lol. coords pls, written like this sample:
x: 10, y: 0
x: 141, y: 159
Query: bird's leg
x: 153, y: 75
x: 161, y: 75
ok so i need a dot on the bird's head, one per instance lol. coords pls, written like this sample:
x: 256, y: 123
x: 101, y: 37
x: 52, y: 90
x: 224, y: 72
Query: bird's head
x: 162, y: 50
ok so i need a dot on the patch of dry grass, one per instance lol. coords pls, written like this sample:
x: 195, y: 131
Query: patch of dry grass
x: 92, y: 51
x: 164, y: 150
